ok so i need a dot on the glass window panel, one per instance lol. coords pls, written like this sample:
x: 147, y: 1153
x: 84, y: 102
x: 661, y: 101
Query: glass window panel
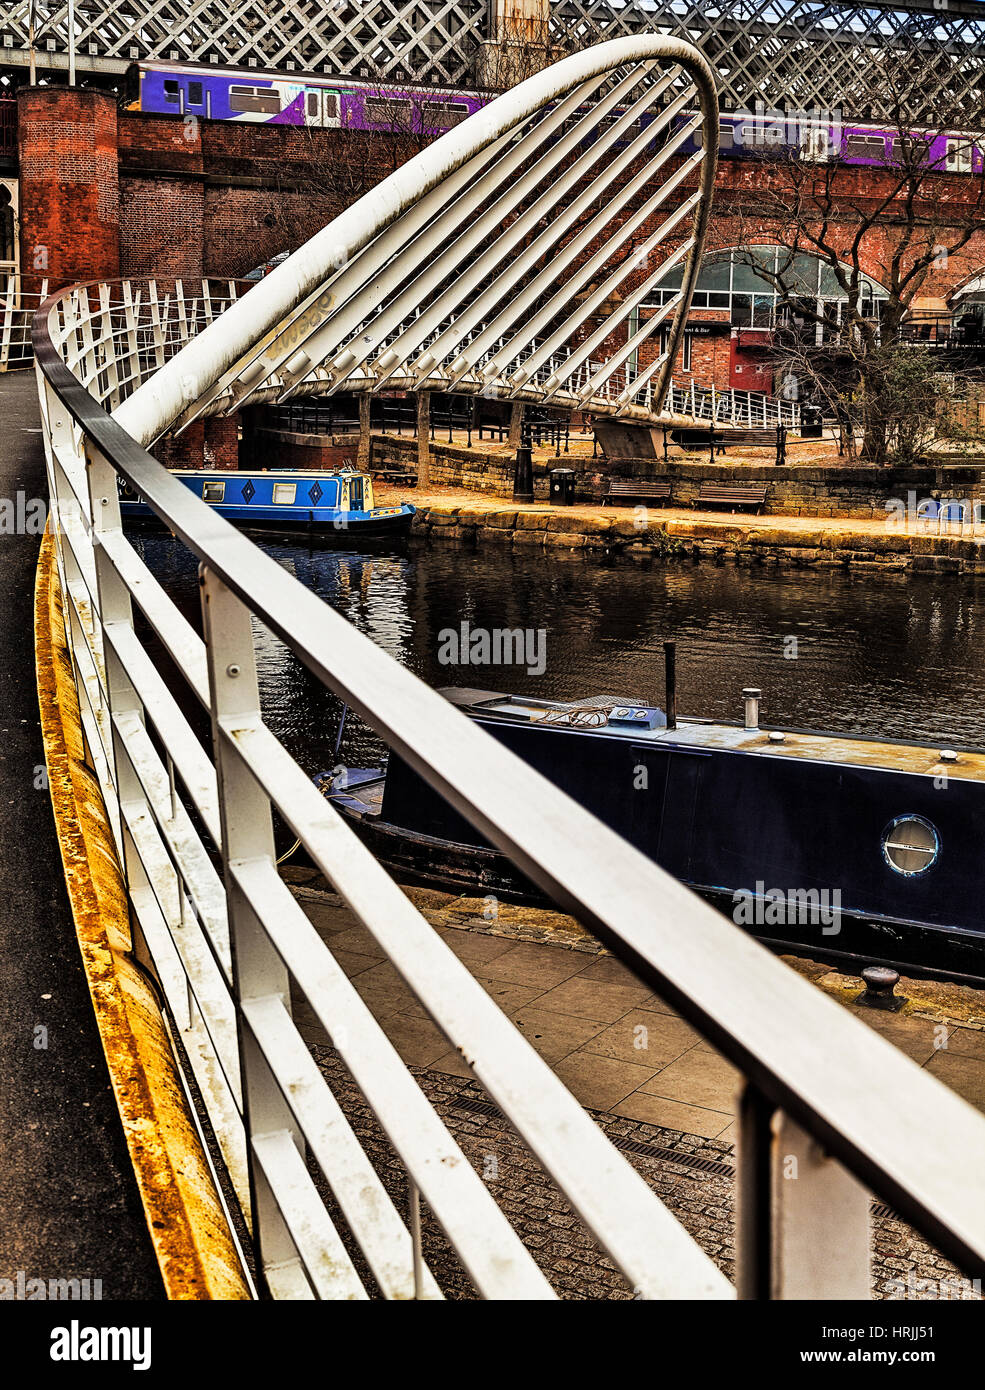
x: 798, y: 274
x: 673, y: 279
x: 830, y: 288
x: 284, y: 493
x: 742, y: 310
x: 715, y: 275
x: 762, y: 311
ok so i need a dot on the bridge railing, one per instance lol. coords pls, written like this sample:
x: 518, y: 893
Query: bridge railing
x: 229, y: 942
x: 17, y: 310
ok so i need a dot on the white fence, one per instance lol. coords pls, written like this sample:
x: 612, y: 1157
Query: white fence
x: 17, y: 310
x: 226, y: 945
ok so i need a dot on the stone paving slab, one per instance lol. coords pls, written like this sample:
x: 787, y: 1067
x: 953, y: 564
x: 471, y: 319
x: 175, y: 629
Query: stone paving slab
x: 644, y: 1074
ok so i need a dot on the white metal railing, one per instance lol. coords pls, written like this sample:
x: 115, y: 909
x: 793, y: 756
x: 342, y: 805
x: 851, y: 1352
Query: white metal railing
x: 229, y: 945
x: 140, y: 325
x: 17, y: 310
x: 857, y: 1113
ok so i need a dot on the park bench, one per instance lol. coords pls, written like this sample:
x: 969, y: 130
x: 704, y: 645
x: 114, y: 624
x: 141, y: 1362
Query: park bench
x: 658, y: 491
x: 400, y: 477
x: 732, y: 495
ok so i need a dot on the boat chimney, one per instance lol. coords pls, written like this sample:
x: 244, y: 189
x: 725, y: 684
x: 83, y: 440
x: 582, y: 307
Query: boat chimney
x: 752, y: 696
x: 670, y: 683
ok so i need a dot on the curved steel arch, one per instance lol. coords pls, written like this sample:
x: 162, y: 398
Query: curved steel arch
x: 521, y: 201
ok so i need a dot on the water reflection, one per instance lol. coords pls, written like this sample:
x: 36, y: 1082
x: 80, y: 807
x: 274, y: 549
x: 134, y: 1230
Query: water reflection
x: 891, y: 655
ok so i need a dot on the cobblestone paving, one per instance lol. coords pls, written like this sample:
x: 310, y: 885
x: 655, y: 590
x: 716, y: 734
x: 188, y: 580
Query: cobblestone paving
x: 694, y: 1179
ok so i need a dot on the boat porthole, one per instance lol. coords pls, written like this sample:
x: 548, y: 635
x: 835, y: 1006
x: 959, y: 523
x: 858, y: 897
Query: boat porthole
x: 910, y: 845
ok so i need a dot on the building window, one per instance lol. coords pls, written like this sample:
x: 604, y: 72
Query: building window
x: 284, y: 494
x: 213, y: 492
x: 686, y: 353
x: 759, y: 285
x: 8, y: 237
x: 262, y: 99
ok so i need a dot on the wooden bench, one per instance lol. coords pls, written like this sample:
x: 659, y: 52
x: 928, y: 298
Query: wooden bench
x: 657, y: 491
x: 732, y: 495
x: 399, y: 477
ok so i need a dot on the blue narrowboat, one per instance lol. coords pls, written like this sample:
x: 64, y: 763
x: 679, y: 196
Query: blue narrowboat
x: 334, y: 505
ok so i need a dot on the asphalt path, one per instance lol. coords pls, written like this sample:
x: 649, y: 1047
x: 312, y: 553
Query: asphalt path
x: 69, y: 1206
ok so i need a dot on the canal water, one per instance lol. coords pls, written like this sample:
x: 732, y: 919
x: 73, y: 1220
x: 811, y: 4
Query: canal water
x: 892, y: 656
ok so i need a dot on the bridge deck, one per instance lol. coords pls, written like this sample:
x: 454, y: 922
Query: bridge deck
x: 70, y: 1202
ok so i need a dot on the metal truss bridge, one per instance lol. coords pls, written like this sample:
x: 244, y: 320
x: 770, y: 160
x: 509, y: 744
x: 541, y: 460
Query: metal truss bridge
x: 796, y: 53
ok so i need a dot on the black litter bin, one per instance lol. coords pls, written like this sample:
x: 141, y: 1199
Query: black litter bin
x: 562, y: 487
x: 811, y: 422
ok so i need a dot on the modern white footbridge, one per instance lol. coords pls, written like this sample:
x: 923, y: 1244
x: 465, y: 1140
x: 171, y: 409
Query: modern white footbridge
x: 477, y: 266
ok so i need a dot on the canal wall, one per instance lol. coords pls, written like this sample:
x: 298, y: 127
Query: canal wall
x: 792, y: 490
x: 645, y: 534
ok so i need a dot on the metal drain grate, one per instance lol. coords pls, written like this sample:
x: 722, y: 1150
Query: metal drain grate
x: 657, y: 1153
x: 664, y: 1155
x: 478, y: 1107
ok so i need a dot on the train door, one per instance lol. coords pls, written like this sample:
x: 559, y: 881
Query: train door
x: 321, y: 107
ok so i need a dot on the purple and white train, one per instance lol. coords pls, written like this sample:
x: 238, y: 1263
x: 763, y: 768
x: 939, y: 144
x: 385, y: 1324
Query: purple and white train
x: 243, y: 94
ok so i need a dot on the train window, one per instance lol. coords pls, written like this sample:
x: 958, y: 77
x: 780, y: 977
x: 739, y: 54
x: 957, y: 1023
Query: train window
x: 284, y: 494
x: 726, y: 136
x: 865, y: 147
x: 172, y: 92
x: 444, y: 113
x: 910, y: 845
x: 262, y: 99
x: 330, y: 106
x: 388, y: 110
x: 958, y: 157
x: 213, y: 492
x: 312, y: 102
x: 194, y: 94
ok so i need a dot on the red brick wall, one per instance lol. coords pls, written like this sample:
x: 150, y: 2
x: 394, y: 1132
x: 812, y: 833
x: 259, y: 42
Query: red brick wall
x: 162, y: 202
x: 69, y: 188
x: 222, y: 442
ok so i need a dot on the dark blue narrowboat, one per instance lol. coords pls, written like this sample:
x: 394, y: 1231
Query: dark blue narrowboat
x: 855, y: 851
x: 334, y: 505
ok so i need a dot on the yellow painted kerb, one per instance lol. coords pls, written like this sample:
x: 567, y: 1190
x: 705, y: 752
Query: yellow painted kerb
x: 188, y: 1228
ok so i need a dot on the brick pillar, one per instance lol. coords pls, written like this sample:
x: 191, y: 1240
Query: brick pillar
x: 222, y: 442
x: 187, y: 450
x: 518, y: 44
x: 69, y: 186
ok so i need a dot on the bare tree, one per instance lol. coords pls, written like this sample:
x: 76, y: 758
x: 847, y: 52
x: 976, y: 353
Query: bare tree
x: 897, y: 224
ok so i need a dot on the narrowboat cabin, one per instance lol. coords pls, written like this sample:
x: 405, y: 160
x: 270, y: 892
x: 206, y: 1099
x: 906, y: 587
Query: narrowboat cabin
x: 854, y: 850
x: 335, y: 505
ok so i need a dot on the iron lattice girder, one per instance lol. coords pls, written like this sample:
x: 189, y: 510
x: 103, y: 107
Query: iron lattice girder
x: 808, y: 53
x: 433, y: 41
